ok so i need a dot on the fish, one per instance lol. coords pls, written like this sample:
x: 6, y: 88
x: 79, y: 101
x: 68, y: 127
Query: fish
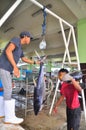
x: 39, y: 90
x: 77, y: 75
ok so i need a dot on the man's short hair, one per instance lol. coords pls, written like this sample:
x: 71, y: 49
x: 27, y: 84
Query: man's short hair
x: 25, y: 33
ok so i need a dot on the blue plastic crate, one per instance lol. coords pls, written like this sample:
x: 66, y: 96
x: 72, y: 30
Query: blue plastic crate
x: 1, y: 86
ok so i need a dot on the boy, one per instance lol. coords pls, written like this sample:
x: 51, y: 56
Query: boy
x: 69, y: 90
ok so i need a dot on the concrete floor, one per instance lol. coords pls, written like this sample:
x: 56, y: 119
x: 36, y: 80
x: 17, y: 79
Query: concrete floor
x: 9, y: 126
x: 53, y: 122
x: 43, y: 121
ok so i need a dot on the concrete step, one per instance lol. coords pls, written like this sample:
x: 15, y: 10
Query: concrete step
x: 9, y: 126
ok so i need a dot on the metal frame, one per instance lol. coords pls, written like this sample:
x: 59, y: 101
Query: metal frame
x: 66, y: 53
x: 66, y: 42
x: 9, y: 12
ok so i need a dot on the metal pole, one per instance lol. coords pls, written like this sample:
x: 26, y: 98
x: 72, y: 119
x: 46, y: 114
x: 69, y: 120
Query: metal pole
x: 78, y: 62
x: 65, y: 41
x: 76, y: 50
x: 67, y: 46
x: 50, y: 12
x: 9, y: 12
x: 84, y: 107
x: 57, y: 85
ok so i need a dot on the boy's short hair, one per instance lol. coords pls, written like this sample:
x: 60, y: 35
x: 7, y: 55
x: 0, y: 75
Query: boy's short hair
x: 63, y: 70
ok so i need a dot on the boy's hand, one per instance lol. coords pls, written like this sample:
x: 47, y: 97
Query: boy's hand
x: 67, y: 77
x: 55, y: 110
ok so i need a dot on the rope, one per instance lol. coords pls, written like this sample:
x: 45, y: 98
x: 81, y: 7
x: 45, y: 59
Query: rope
x: 44, y: 22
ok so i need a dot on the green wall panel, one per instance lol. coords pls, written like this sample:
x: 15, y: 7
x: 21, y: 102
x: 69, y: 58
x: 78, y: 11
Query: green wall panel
x: 81, y: 31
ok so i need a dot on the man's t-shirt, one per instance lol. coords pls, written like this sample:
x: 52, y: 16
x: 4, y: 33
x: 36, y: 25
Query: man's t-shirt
x: 17, y: 54
x: 71, y: 95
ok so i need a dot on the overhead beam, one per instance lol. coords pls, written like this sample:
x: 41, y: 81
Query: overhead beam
x: 9, y: 12
x: 51, y: 13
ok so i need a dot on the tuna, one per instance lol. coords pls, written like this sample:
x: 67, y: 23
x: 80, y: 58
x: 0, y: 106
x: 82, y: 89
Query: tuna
x: 39, y: 89
x: 77, y: 75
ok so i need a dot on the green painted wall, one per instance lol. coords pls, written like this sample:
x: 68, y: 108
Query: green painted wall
x: 49, y: 66
x: 81, y: 32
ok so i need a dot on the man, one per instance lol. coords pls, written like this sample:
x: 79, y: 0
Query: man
x: 8, y: 64
x: 69, y: 90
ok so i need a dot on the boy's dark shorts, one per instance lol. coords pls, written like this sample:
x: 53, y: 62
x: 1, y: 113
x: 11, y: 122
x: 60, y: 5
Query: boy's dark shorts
x: 73, y: 118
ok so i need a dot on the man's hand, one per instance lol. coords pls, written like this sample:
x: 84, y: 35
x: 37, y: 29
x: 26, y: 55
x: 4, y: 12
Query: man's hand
x: 38, y: 62
x: 67, y: 77
x: 16, y: 72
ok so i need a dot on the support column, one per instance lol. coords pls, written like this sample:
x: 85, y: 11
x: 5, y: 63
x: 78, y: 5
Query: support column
x: 81, y: 29
x: 81, y: 32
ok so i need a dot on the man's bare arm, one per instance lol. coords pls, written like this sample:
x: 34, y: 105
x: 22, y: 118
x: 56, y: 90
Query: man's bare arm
x: 9, y: 50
